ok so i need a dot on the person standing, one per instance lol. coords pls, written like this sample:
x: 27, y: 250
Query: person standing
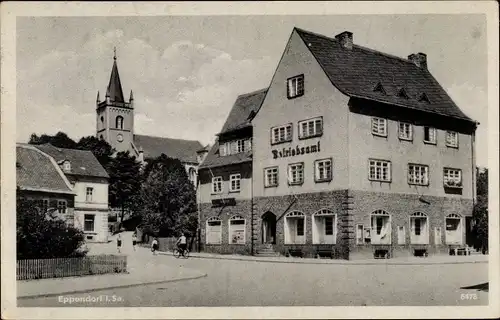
x: 134, y: 240
x: 154, y: 246
x: 119, y: 243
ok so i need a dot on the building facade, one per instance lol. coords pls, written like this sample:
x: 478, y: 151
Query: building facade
x: 115, y: 124
x: 89, y: 182
x: 355, y: 153
x: 39, y: 178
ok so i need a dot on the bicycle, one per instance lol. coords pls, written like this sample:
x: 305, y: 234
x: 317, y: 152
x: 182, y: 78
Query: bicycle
x: 177, y: 253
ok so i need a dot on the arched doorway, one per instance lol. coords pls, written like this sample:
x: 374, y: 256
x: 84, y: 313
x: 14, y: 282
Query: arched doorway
x: 269, y: 228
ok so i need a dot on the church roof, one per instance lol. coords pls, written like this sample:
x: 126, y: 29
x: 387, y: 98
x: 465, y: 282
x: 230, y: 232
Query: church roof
x: 83, y: 162
x: 114, y: 90
x: 153, y: 147
x: 356, y: 72
x: 38, y: 171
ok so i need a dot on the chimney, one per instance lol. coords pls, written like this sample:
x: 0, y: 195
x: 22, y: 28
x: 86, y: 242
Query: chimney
x: 419, y: 59
x: 345, y: 39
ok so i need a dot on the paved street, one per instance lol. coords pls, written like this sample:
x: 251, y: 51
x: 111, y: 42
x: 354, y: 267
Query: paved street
x: 248, y: 283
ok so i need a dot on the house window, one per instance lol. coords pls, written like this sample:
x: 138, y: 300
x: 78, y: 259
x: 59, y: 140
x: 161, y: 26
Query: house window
x: 323, y: 170
x: 217, y: 185
x: 405, y: 131
x: 295, y: 173
x: 89, y: 194
x: 452, y: 139
x: 222, y: 150
x: 453, y: 232
x: 430, y: 135
x: 379, y: 126
x: 43, y: 205
x: 281, y: 134
x: 310, y: 128
x: 324, y: 227
x: 380, y: 227
x: 295, y: 86
x: 359, y: 234
x: 237, y: 230
x: 67, y: 166
x: 380, y: 170
x: 119, y: 122
x: 295, y: 228
x: 61, y: 206
x: 271, y: 177
x: 214, y: 231
x: 235, y: 182
x: 419, y: 228
x: 452, y: 178
x: 89, y: 220
x: 418, y: 174
x: 401, y: 235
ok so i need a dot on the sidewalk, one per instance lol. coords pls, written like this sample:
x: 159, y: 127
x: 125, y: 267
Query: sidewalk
x: 441, y: 259
x: 143, y: 268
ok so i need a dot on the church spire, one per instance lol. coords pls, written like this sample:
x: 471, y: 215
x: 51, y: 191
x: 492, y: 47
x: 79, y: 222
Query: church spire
x: 98, y: 99
x: 114, y: 90
x: 131, y: 96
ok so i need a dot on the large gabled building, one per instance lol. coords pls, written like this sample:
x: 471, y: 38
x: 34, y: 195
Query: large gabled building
x: 354, y: 153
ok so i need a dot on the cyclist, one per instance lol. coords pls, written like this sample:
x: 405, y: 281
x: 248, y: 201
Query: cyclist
x: 182, y: 244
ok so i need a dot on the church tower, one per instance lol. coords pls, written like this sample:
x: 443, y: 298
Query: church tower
x: 115, y: 116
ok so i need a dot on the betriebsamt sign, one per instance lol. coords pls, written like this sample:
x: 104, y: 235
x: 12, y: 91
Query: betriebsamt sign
x: 291, y: 152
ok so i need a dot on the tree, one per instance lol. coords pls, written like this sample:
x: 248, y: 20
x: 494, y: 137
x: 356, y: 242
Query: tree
x: 480, y: 213
x: 169, y: 199
x: 101, y: 149
x: 40, y: 238
x: 124, y: 182
x: 60, y: 140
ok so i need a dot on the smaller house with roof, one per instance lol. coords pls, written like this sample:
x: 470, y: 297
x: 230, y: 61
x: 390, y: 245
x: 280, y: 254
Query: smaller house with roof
x: 89, y: 182
x: 39, y: 178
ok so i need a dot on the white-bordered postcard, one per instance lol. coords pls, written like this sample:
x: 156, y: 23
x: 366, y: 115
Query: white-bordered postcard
x: 249, y: 160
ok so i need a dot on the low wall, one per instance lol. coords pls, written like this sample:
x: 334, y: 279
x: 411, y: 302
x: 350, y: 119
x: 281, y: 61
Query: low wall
x: 70, y: 267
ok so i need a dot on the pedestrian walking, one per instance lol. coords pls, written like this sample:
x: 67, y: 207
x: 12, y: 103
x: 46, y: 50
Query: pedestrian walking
x: 134, y: 240
x: 119, y: 243
x: 154, y: 246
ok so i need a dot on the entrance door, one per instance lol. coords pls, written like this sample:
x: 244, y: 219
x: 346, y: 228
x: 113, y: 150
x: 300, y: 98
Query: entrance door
x: 269, y: 228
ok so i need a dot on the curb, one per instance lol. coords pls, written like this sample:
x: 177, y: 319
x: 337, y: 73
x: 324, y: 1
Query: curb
x: 47, y: 295
x: 336, y: 263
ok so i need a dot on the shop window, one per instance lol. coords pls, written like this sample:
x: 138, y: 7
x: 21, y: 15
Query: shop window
x: 295, y: 228
x: 237, y: 230
x: 214, y: 231
x: 380, y: 227
x: 324, y: 227
x: 419, y: 228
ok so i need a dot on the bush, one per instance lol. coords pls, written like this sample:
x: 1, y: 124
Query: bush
x: 39, y: 237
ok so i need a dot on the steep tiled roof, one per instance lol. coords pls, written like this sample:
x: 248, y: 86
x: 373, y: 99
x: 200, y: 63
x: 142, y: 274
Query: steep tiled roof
x: 184, y: 150
x: 358, y: 71
x: 214, y: 160
x: 37, y: 171
x: 114, y: 90
x: 245, y: 104
x: 82, y: 162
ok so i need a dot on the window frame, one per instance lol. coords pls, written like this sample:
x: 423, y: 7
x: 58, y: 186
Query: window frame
x: 231, y: 179
x: 119, y: 117
x: 303, y: 136
x: 427, y: 172
x: 460, y: 186
x: 410, y: 138
x: 266, y: 185
x: 386, y: 124
x: 285, y: 126
x: 434, y: 142
x: 62, y: 204
x: 87, y: 194
x: 455, y: 146
x: 85, y: 220
x: 221, y: 185
x: 213, y: 219
x: 327, y: 179
x: 325, y: 213
x: 389, y: 170
x: 297, y: 93
x: 236, y: 218
x: 289, y: 177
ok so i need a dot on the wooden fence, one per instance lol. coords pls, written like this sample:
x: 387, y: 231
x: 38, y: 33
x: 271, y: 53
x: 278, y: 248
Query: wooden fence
x: 69, y: 267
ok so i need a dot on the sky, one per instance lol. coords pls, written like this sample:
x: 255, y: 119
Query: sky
x: 186, y: 71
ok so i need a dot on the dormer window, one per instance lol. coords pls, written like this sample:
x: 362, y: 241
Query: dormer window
x: 423, y: 98
x: 67, y: 166
x: 402, y: 93
x: 379, y: 88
